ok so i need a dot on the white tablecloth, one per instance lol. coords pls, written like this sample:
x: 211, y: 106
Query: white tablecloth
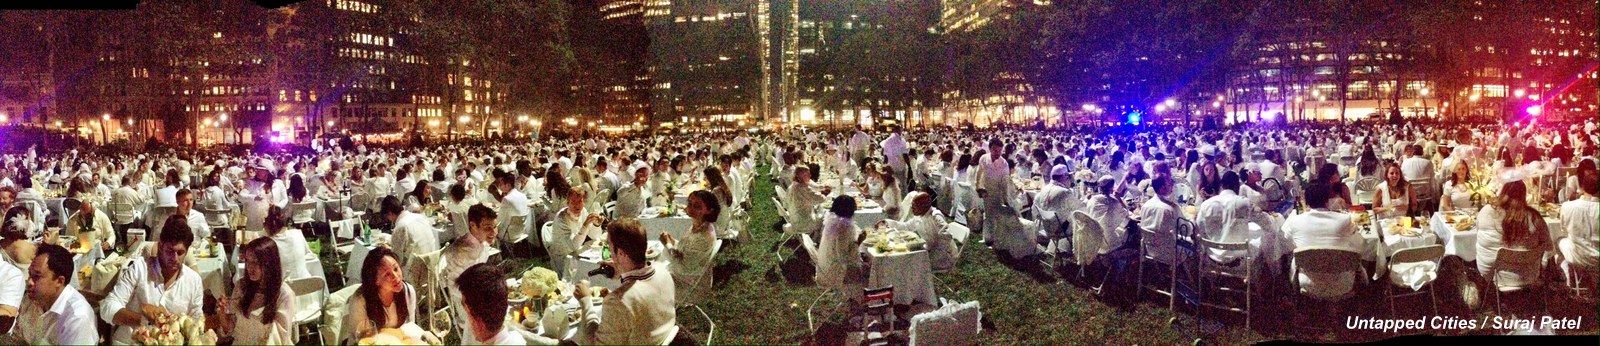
x: 1373, y: 250
x: 654, y: 224
x: 1462, y: 244
x: 589, y: 260
x: 909, y: 272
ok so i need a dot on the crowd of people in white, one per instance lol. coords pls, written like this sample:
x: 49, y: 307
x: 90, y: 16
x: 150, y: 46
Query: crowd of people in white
x: 430, y: 220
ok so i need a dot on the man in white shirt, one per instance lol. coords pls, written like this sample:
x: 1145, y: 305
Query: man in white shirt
x: 1226, y: 217
x: 894, y: 151
x: 89, y: 222
x: 55, y: 314
x: 152, y: 288
x: 1322, y: 227
x: 1580, y: 219
x: 185, y: 211
x: 1057, y: 199
x: 1111, y: 214
x: 413, y: 233
x: 127, y: 195
x: 1160, y: 215
x: 167, y: 196
x: 485, y: 306
x: 858, y: 145
x: 13, y: 284
x: 469, y: 250
x: 640, y: 311
x: 609, y: 181
x: 929, y: 223
x: 632, y: 196
x: 513, y: 201
x: 1414, y: 167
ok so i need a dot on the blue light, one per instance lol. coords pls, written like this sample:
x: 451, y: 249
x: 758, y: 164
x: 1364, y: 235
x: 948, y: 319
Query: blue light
x: 1135, y: 117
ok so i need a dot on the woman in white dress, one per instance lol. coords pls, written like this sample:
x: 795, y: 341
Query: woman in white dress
x: 383, y: 301
x: 291, y: 244
x: 1457, y: 190
x: 691, y: 255
x: 839, y: 266
x: 1395, y: 196
x: 262, y: 305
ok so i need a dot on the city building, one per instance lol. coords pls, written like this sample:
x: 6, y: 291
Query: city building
x: 848, y: 70
x: 1013, y: 100
x: 707, y: 59
x: 625, y: 55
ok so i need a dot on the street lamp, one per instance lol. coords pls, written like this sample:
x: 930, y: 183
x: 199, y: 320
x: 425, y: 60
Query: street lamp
x: 222, y: 117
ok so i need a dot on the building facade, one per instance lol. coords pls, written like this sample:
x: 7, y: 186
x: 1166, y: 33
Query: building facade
x: 706, y: 58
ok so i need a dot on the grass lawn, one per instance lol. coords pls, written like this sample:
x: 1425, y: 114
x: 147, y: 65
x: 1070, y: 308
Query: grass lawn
x: 754, y: 304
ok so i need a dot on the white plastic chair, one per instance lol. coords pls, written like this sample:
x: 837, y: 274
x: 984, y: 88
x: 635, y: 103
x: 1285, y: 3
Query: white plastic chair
x: 1414, y: 256
x: 309, y: 297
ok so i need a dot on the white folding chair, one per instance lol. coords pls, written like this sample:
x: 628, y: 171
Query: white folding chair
x: 1412, y: 257
x: 1528, y: 260
x: 1324, y: 261
x: 702, y: 287
x: 1212, y: 271
x: 309, y: 296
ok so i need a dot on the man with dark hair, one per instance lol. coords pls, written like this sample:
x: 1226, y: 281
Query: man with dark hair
x: 640, y: 311
x: 413, y: 233
x: 485, y: 306
x: 156, y: 287
x: 1323, y: 227
x: 470, y: 249
x: 58, y: 315
x: 185, y: 212
x: 1227, y: 216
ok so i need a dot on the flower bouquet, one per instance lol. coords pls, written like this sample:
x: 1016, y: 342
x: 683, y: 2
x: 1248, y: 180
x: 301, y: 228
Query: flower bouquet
x: 540, y: 286
x: 180, y: 330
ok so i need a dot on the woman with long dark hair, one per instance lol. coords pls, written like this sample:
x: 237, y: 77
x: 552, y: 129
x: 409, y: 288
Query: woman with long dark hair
x: 1395, y: 195
x: 384, y: 300
x: 691, y: 254
x: 263, y: 303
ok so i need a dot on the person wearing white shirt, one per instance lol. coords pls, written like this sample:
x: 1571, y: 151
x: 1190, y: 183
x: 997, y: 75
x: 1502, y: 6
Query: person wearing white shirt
x: 167, y: 196
x: 927, y: 222
x: 858, y: 145
x: 632, y: 196
x: 1160, y: 215
x: 291, y: 244
x: 262, y: 305
x: 152, y: 287
x: 1511, y: 223
x: 1415, y: 166
x: 839, y: 266
x: 414, y: 234
x: 1111, y: 214
x: 1322, y: 227
x: 894, y: 151
x: 1580, y: 218
x: 127, y: 195
x: 514, y: 202
x: 1058, y: 197
x: 468, y: 250
x: 571, y: 228
x: 13, y: 281
x: 640, y: 311
x: 803, y: 200
x: 185, y: 211
x: 55, y: 314
x: 89, y: 222
x: 1226, y: 217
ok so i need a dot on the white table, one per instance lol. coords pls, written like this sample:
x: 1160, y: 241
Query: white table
x: 909, y: 272
x: 1462, y: 244
x: 589, y: 260
x: 654, y: 224
x: 1374, y: 250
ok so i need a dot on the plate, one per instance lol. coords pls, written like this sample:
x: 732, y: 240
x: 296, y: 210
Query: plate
x: 654, y: 250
